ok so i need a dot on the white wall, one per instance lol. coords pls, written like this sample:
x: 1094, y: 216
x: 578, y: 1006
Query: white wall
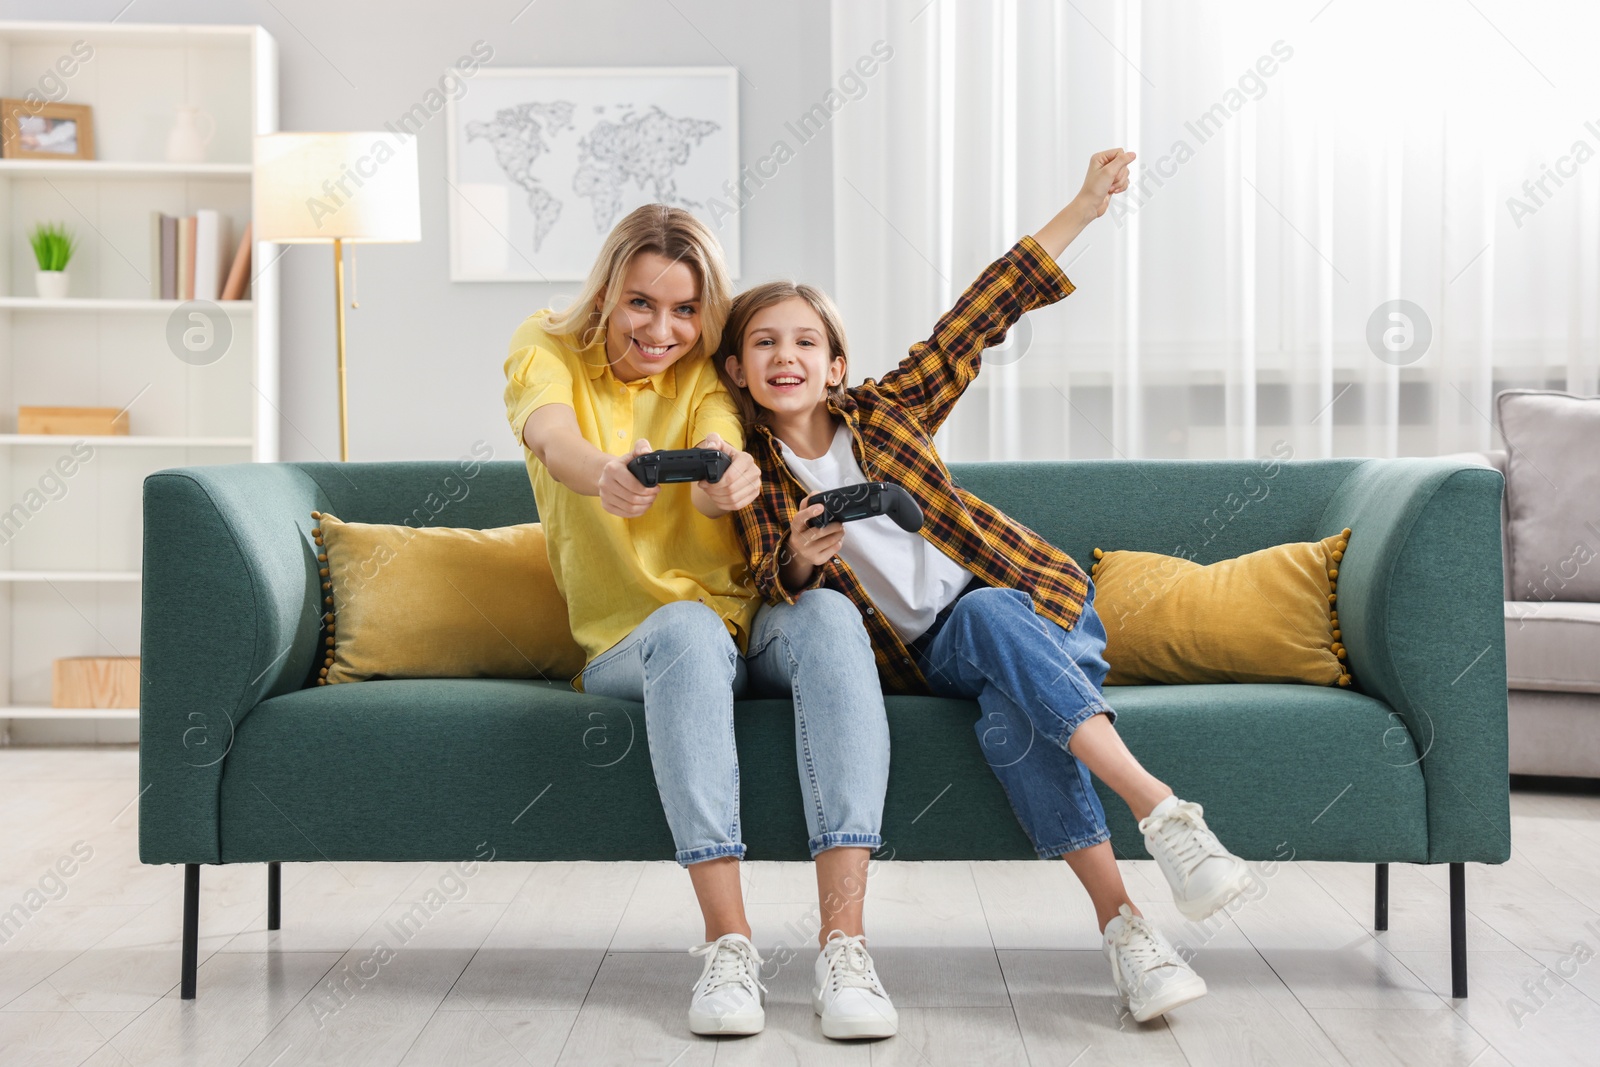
x: 425, y: 353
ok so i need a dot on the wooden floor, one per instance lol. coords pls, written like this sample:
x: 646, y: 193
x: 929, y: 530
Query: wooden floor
x: 584, y: 963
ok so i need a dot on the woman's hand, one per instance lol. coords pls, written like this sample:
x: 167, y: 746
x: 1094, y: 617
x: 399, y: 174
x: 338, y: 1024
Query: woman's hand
x: 620, y: 492
x: 739, y: 484
x: 814, y: 545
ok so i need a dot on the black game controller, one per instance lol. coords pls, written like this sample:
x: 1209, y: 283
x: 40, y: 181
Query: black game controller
x: 666, y: 465
x: 851, y: 502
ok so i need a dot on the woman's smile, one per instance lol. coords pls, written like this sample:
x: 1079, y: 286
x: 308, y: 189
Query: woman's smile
x: 651, y: 352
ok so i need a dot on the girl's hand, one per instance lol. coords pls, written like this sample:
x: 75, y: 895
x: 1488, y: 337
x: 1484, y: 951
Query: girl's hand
x: 814, y: 545
x: 620, y: 492
x: 1108, y: 174
x: 739, y: 484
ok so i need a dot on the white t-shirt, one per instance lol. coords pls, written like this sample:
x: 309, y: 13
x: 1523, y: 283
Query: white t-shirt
x: 908, y: 578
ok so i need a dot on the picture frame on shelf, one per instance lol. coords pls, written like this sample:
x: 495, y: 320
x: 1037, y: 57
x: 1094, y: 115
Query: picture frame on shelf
x: 45, y: 130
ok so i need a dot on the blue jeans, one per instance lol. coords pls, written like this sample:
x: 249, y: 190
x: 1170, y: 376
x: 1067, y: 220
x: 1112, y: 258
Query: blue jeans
x: 683, y: 665
x: 1035, y: 683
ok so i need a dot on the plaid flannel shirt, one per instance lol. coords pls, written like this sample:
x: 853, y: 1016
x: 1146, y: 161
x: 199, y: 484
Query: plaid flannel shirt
x: 892, y: 422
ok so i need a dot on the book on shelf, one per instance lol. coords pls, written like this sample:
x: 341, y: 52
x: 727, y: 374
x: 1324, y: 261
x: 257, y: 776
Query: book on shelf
x: 189, y: 257
x: 168, y: 256
x: 239, y: 274
x: 155, y: 254
x: 186, y: 247
x: 211, y: 245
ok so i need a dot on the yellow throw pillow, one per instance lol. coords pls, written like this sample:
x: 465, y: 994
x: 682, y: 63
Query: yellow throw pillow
x: 403, y: 602
x: 1268, y: 616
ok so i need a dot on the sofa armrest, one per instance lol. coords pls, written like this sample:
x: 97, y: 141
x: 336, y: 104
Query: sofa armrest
x: 231, y: 612
x: 1495, y: 458
x: 1421, y: 614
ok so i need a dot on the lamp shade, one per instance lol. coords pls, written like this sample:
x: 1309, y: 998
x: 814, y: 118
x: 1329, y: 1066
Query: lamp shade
x: 312, y: 187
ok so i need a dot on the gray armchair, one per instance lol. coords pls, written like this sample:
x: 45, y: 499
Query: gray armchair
x: 1550, y: 530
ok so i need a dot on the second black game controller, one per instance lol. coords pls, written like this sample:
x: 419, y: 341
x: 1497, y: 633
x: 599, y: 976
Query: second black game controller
x: 851, y: 502
x: 667, y: 465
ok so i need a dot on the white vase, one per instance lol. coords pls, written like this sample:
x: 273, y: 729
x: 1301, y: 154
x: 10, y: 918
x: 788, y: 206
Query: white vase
x: 186, y: 142
x: 52, y: 284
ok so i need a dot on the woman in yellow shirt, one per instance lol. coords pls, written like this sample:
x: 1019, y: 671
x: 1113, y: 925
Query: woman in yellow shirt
x: 660, y: 597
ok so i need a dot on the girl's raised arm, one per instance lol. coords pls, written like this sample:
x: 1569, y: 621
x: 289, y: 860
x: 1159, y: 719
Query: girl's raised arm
x: 929, y: 381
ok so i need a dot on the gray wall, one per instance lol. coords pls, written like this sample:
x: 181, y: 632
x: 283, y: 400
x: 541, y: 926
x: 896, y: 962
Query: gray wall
x: 425, y: 353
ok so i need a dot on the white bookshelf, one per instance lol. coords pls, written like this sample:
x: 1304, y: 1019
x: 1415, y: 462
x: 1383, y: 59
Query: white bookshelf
x: 70, y: 546
x: 130, y: 441
x: 78, y: 168
x: 89, y: 715
x: 145, y: 304
x: 70, y: 576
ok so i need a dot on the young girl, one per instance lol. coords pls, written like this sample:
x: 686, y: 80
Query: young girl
x: 976, y: 605
x: 660, y: 599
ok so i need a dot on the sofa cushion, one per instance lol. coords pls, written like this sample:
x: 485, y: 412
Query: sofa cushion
x: 430, y: 769
x: 1265, y: 616
x: 1554, y: 734
x: 436, y: 602
x: 1552, y: 486
x: 1553, y: 645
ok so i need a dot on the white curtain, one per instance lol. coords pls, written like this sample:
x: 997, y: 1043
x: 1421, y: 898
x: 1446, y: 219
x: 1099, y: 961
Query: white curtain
x: 1300, y: 165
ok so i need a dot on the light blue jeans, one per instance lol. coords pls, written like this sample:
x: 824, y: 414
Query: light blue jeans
x: 1035, y: 683
x: 683, y: 665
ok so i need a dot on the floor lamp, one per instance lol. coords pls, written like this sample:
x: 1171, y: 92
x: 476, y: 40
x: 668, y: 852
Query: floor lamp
x: 314, y: 188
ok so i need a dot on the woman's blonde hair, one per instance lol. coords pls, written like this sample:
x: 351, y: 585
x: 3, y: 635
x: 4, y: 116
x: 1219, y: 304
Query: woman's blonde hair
x: 667, y: 231
x: 758, y: 298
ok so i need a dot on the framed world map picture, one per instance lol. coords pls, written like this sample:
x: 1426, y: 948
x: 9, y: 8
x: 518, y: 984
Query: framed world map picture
x: 544, y: 161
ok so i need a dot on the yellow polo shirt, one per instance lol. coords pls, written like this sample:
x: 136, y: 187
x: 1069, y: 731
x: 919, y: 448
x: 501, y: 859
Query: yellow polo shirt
x: 613, y: 571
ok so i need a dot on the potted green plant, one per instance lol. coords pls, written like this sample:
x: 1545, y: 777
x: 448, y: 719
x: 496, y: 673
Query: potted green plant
x: 52, y: 248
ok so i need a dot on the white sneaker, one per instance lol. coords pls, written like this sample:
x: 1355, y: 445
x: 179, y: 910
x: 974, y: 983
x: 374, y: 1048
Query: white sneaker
x: 847, y: 993
x: 727, y: 998
x: 1151, y: 977
x: 1204, y: 876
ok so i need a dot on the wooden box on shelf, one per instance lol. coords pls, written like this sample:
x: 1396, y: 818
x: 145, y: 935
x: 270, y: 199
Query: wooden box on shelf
x: 76, y: 421
x: 95, y: 682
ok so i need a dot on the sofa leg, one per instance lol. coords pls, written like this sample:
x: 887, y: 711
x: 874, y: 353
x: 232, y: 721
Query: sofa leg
x: 1458, y: 930
x: 1380, y: 905
x: 274, y: 896
x: 191, y: 928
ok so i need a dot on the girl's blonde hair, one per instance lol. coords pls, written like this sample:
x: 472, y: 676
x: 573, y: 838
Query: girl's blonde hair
x: 759, y: 298
x: 667, y: 231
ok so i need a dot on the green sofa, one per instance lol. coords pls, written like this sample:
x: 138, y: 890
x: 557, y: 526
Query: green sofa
x: 244, y: 759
